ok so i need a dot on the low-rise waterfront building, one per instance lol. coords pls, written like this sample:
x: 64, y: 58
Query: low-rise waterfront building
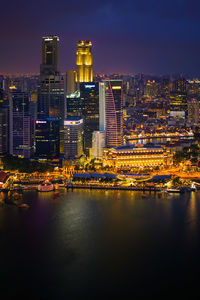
x: 130, y: 156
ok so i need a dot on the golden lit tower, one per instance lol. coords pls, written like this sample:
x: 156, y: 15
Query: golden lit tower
x: 84, y: 62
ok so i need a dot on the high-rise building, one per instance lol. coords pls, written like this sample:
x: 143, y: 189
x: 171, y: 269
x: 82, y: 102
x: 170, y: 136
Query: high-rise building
x: 73, y: 137
x: 74, y: 105
x: 89, y: 96
x: 193, y: 111
x: 20, y: 125
x: 84, y: 61
x: 111, y: 111
x: 47, y: 138
x: 70, y: 82
x: 49, y: 64
x: 178, y: 105
x: 51, y: 97
x: 4, y: 123
x: 98, y: 143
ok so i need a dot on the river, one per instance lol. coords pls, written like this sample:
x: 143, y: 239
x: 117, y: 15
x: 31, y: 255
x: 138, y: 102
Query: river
x: 97, y: 244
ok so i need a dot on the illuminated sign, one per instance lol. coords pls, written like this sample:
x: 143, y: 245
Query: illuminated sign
x: 73, y: 122
x: 41, y: 122
x: 89, y: 86
x: 116, y: 87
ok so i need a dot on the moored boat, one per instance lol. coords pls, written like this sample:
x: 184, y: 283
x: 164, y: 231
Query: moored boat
x: 46, y: 186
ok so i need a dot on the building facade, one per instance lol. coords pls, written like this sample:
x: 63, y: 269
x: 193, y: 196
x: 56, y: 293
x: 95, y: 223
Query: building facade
x: 89, y: 97
x: 111, y: 111
x: 47, y: 138
x: 130, y: 156
x: 20, y: 125
x: 84, y: 61
x: 73, y: 137
x: 49, y: 64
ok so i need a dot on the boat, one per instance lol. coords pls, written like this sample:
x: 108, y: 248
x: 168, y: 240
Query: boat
x: 143, y: 195
x: 46, y: 186
x: 173, y: 190
x: 56, y: 194
x: 23, y: 206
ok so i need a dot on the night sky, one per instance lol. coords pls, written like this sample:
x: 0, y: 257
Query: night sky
x: 149, y: 36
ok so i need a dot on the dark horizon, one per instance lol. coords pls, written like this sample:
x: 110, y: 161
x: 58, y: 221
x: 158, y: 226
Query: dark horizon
x: 150, y: 37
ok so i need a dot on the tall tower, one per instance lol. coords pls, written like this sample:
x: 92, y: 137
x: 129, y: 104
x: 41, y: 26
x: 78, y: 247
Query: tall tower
x: 111, y: 111
x: 84, y: 61
x: 49, y: 64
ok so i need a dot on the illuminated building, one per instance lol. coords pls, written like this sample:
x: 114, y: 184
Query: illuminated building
x: 84, y: 61
x: 98, y: 143
x: 4, y: 124
x: 51, y: 97
x: 74, y: 104
x: 70, y: 82
x: 89, y: 96
x: 178, y: 105
x: 47, y: 138
x: 20, y: 124
x: 111, y: 111
x: 73, y: 137
x: 193, y: 111
x: 130, y: 156
x: 49, y: 64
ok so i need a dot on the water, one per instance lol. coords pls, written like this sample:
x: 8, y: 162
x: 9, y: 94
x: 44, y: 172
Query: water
x: 90, y: 244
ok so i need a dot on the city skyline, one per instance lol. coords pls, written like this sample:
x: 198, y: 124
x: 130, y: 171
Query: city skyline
x: 147, y: 37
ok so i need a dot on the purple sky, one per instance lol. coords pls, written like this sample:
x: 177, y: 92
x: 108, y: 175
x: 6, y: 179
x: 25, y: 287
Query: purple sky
x: 130, y: 36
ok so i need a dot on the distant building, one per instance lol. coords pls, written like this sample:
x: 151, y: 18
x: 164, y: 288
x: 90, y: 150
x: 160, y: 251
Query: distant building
x: 84, y: 61
x: 73, y: 137
x: 47, y: 138
x: 130, y: 156
x: 178, y: 106
x: 193, y: 111
x: 98, y: 143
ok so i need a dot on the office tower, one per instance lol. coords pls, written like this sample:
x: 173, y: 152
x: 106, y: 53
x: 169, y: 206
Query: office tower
x: 98, y: 143
x: 89, y: 96
x: 70, y: 82
x: 84, y: 61
x: 179, y: 85
x: 47, y: 138
x: 73, y: 137
x: 4, y: 123
x: 21, y: 125
x: 178, y: 106
x: 111, y: 111
x: 74, y: 105
x: 102, y: 106
x: 51, y: 97
x: 193, y: 111
x: 49, y: 64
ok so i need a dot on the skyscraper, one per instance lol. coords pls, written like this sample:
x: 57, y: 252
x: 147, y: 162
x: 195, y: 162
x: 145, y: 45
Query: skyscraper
x: 73, y: 137
x: 111, y: 111
x: 21, y: 125
x: 49, y: 64
x: 84, y: 61
x: 193, y: 111
x: 89, y: 97
x: 47, y: 138
x: 70, y: 81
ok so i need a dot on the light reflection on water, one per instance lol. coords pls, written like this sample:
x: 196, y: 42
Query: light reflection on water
x: 113, y: 242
